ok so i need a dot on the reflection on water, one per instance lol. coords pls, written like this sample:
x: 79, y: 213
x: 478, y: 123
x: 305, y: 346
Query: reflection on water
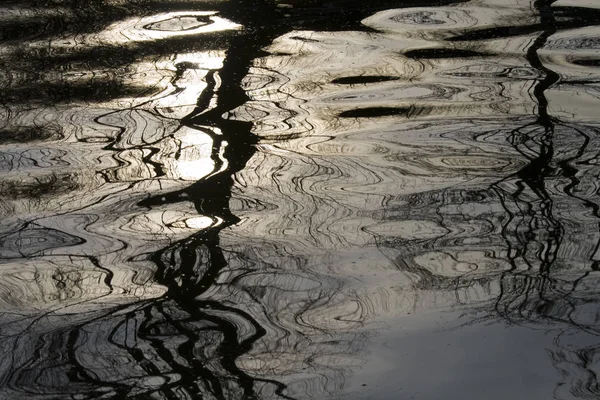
x: 232, y: 200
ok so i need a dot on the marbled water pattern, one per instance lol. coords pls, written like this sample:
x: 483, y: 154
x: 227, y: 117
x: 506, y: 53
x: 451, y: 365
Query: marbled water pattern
x: 299, y: 199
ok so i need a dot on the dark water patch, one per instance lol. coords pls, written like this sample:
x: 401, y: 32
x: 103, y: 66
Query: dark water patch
x: 363, y: 79
x: 304, y: 39
x: 281, y: 54
x: 95, y: 90
x: 374, y: 112
x: 53, y: 20
x: 444, y: 53
x: 26, y: 134
x: 587, y: 62
x: 29, y: 30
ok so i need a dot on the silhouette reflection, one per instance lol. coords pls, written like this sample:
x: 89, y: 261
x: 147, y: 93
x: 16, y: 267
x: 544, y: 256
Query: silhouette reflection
x: 229, y: 200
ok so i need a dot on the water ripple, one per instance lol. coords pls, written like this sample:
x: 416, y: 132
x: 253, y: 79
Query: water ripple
x: 232, y: 200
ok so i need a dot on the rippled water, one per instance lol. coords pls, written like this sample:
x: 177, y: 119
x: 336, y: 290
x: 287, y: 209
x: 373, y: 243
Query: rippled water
x: 309, y: 199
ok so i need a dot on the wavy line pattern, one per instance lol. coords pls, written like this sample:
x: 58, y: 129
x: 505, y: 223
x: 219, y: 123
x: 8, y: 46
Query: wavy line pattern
x: 227, y: 200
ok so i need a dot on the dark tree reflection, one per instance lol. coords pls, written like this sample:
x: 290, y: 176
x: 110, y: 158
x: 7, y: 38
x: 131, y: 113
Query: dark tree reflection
x: 546, y: 269
x: 221, y: 200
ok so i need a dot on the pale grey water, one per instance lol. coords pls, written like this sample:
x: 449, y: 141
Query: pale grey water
x: 303, y: 199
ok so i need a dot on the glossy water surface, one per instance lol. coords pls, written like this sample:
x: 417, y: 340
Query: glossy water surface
x: 299, y: 199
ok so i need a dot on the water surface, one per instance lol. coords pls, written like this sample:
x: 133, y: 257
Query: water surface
x: 251, y: 199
